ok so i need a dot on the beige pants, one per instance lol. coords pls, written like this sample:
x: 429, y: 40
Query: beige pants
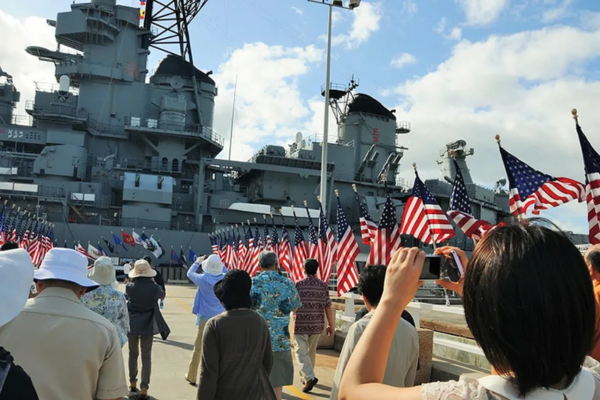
x: 192, y: 374
x: 305, y: 348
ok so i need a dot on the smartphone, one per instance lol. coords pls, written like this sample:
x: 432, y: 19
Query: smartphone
x: 458, y: 263
x: 431, y: 268
x: 452, y: 267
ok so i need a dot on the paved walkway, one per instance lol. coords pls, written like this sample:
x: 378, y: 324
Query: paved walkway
x: 170, y: 358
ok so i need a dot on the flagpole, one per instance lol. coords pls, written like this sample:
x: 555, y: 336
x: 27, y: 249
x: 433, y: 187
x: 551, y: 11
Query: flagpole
x: 232, y: 118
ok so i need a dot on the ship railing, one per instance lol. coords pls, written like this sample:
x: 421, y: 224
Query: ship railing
x: 56, y: 109
x: 21, y: 120
x: 113, y: 129
x: 415, y: 307
x: 403, y: 127
x: 52, y: 87
x: 189, y: 128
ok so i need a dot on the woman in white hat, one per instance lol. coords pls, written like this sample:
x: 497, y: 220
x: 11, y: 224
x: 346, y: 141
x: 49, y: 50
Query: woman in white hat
x: 16, y: 277
x: 145, y: 322
x: 106, y: 300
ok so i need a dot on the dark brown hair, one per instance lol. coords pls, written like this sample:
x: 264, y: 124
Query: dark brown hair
x: 529, y: 302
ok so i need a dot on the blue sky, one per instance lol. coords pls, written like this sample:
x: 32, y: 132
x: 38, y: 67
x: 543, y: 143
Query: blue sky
x: 456, y: 69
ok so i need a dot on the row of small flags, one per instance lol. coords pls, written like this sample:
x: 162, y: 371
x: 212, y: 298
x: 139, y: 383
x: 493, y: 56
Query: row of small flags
x: 31, y: 234
x: 423, y: 219
x: 133, y: 239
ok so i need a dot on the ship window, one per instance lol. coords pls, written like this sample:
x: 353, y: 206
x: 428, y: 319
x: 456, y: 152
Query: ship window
x: 165, y: 164
x: 175, y: 165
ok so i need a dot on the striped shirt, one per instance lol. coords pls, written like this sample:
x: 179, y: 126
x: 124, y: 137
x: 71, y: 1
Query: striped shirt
x: 310, y: 318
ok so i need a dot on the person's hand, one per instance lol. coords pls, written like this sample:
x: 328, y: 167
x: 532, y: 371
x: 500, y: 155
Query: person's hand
x: 329, y: 331
x: 402, y: 276
x: 446, y: 252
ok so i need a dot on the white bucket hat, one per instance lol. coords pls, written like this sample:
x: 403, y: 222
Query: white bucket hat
x: 141, y: 269
x: 213, y: 265
x: 16, y: 278
x: 66, y: 265
x: 103, y: 272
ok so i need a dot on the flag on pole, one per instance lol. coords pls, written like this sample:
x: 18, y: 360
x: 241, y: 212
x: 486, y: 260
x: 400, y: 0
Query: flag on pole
x: 591, y: 162
x: 80, y: 249
x: 127, y: 238
x: 387, y: 239
x: 174, y: 256
x: 268, y: 246
x: 529, y: 187
x: 368, y: 227
x: 137, y: 238
x: 213, y: 244
x: 118, y: 241
x: 313, y: 243
x: 158, y: 250
x: 348, y: 250
x: 192, y: 256
x: 327, y: 246
x: 423, y: 217
x: 300, y: 253
x: 110, y: 246
x: 249, y: 244
x: 285, y: 250
x: 460, y: 209
x: 100, y: 250
x: 254, y: 267
x: 274, y: 237
x: 92, y: 251
x: 182, y: 260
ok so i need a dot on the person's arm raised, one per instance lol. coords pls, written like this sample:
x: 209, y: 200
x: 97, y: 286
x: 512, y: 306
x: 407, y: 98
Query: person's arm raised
x: 446, y: 251
x: 364, y: 374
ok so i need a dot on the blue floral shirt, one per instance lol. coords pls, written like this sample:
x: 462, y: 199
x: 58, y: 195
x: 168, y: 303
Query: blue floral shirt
x: 111, y: 304
x: 275, y: 297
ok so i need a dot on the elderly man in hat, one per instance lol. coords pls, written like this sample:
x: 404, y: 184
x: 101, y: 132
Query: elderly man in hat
x: 237, y: 356
x: 206, y: 304
x: 16, y: 277
x: 106, y: 300
x: 69, y: 351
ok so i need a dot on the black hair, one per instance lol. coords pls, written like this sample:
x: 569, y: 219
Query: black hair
x: 370, y: 283
x: 148, y: 259
x: 529, y: 302
x: 311, y: 266
x: 233, y: 291
x: 593, y: 258
x: 10, y: 245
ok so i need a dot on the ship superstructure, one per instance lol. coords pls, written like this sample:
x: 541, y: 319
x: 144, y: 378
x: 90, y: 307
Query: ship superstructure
x: 112, y: 146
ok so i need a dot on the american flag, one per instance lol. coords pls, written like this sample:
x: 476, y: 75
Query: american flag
x: 241, y: 248
x: 313, y: 243
x: 387, y: 239
x: 258, y: 247
x: 274, y: 237
x: 213, y: 244
x: 529, y: 187
x: 423, y: 217
x: 268, y: 246
x: 83, y: 251
x: 327, y: 246
x: 230, y: 252
x: 348, y: 250
x: 35, y: 240
x: 285, y: 250
x: 460, y: 209
x: 591, y: 161
x: 368, y: 227
x: 300, y: 253
x: 3, y: 224
x: 222, y: 246
x: 249, y: 242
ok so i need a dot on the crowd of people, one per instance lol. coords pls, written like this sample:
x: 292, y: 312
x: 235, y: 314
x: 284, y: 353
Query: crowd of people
x: 531, y: 301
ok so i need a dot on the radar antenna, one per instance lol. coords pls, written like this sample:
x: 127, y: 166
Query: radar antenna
x: 340, y: 97
x: 168, y: 21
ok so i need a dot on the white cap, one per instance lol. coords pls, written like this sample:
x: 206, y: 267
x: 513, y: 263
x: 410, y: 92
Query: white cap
x: 16, y: 277
x: 67, y: 265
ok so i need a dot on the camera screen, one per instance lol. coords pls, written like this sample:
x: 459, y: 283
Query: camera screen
x: 431, y: 268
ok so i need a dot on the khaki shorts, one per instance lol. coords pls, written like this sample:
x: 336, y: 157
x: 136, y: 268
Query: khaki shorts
x: 282, y: 373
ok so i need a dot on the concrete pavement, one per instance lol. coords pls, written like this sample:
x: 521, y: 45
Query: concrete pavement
x: 170, y: 358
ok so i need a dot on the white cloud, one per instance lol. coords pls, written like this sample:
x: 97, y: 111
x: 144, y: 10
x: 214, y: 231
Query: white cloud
x: 455, y: 34
x: 409, y: 7
x: 482, y: 12
x: 268, y: 103
x: 25, y: 69
x: 556, y: 13
x: 366, y: 22
x: 441, y: 26
x: 521, y: 86
x: 337, y: 17
x: 297, y: 10
x: 403, y: 60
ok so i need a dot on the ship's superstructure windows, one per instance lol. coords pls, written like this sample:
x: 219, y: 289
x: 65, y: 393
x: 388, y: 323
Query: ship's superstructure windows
x: 165, y: 164
x: 175, y: 165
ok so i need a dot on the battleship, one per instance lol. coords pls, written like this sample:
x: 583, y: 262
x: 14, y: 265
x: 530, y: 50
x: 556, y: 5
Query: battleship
x: 112, y: 146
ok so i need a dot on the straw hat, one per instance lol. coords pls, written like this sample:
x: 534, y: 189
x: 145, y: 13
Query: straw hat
x: 16, y: 277
x: 212, y: 265
x: 66, y: 265
x: 103, y: 272
x: 141, y: 269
